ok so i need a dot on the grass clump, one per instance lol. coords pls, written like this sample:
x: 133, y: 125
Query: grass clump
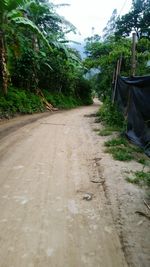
x: 140, y: 178
x: 144, y: 161
x: 120, y: 153
x: 108, y: 130
x: 122, y: 150
x: 96, y: 130
x: 116, y: 142
x: 104, y: 132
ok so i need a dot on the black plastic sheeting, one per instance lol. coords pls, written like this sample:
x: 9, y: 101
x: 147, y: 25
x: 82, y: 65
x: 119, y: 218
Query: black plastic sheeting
x: 133, y: 98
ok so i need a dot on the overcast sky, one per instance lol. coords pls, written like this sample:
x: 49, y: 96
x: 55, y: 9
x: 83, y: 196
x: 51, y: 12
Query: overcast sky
x: 88, y: 14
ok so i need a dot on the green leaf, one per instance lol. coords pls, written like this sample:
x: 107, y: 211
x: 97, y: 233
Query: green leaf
x: 28, y: 23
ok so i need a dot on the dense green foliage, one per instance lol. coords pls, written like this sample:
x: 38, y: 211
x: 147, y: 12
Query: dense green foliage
x: 110, y: 115
x: 104, y: 55
x: 19, y: 101
x: 103, y: 52
x: 138, y: 20
x: 26, y: 102
x: 34, y: 54
x: 122, y: 150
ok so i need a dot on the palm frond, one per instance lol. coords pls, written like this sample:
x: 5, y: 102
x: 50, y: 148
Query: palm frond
x: 11, y: 4
x: 68, y: 24
x: 73, y: 57
x: 63, y: 21
x: 46, y: 64
x: 28, y: 23
x: 60, y: 46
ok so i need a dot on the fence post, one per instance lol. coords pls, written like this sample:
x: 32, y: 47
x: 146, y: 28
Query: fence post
x: 116, y: 78
x: 133, y: 63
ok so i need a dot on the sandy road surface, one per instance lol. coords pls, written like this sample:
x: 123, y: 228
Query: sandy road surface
x: 46, y: 170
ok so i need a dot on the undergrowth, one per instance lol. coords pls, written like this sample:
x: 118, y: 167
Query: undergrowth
x: 19, y: 101
x: 62, y: 101
x: 113, y: 121
x: 110, y: 115
x: 26, y: 102
x: 111, y: 118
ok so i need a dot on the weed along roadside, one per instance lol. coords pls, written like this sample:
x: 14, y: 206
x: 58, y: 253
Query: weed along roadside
x: 125, y: 169
x: 114, y: 125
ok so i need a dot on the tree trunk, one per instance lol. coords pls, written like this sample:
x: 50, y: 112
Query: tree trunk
x: 3, y: 66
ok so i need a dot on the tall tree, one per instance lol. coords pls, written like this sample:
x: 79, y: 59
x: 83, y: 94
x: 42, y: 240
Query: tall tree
x: 137, y: 20
x: 111, y: 25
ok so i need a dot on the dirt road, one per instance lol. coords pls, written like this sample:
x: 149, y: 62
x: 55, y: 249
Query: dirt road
x: 53, y: 213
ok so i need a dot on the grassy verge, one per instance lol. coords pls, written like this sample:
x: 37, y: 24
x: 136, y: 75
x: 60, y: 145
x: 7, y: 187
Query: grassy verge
x: 122, y: 150
x: 140, y: 178
x: 108, y: 130
x: 119, y: 147
x: 113, y: 121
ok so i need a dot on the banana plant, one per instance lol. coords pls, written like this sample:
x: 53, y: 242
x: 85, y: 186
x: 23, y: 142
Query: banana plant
x: 36, y: 16
x: 12, y: 13
x: 44, y: 15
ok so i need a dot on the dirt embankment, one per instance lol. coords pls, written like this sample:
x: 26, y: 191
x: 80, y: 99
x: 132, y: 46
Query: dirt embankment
x: 64, y: 202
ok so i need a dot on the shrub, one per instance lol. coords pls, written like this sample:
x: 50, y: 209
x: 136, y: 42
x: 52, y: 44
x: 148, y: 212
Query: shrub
x: 84, y: 91
x: 110, y: 114
x: 19, y: 101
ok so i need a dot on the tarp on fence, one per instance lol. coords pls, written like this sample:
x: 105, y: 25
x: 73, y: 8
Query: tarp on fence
x: 133, y: 97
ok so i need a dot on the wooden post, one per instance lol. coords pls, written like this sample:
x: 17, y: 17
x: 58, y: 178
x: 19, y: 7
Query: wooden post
x: 133, y: 63
x: 113, y: 79
x: 120, y: 63
x: 116, y: 78
x: 133, y: 68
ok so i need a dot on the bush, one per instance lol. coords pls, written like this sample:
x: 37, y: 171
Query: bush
x: 81, y: 96
x: 59, y: 100
x: 84, y: 91
x: 19, y: 101
x: 110, y: 114
x: 26, y: 102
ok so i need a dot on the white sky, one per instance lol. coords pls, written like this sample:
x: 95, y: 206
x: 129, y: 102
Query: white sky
x: 85, y: 14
